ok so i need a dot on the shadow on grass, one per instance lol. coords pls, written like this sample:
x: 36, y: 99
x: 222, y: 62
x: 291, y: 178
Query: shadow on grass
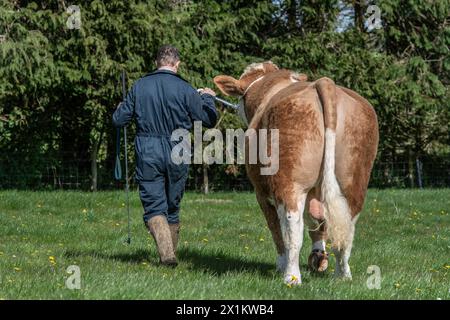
x: 219, y: 263
x: 214, y: 263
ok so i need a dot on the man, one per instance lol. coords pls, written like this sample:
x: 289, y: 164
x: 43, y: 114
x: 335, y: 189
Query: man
x: 162, y: 102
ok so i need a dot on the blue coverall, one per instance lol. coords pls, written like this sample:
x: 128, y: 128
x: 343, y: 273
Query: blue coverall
x: 162, y: 102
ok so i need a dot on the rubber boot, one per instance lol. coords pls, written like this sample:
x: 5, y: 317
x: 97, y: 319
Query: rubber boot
x: 175, y: 233
x: 159, y: 229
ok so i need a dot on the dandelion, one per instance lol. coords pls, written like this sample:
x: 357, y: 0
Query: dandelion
x: 205, y: 240
x: 52, y: 260
x: 378, y: 210
x: 246, y: 248
x: 84, y: 210
x: 17, y: 269
x: 261, y: 239
x: 447, y: 267
x: 397, y: 285
x: 293, y: 280
x: 117, y: 224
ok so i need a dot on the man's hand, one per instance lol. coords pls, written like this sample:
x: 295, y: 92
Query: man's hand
x: 207, y: 91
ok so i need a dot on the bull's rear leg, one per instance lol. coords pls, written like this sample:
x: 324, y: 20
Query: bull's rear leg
x: 318, y: 258
x: 270, y: 213
x: 291, y: 221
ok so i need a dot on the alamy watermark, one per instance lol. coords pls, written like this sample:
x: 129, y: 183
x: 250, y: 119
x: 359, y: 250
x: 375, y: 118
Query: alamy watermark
x: 74, y: 20
x: 373, y: 18
x: 253, y: 147
x: 73, y: 282
x: 374, y: 280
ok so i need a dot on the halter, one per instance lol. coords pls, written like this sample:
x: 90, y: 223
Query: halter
x: 251, y: 84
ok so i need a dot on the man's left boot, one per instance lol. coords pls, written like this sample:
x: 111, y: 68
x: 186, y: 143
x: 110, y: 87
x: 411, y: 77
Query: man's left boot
x: 160, y: 230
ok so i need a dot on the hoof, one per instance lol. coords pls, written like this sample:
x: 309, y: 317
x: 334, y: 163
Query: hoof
x: 318, y: 260
x: 343, y: 276
x: 292, y: 280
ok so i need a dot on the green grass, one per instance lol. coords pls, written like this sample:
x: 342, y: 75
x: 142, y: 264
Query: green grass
x: 226, y: 250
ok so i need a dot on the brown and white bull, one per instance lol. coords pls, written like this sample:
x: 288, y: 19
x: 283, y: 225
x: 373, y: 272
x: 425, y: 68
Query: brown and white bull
x: 328, y: 139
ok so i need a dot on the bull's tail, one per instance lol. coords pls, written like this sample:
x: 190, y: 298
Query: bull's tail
x: 336, y: 210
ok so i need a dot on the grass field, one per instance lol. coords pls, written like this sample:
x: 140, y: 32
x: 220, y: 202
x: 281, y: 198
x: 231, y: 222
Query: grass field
x: 226, y: 250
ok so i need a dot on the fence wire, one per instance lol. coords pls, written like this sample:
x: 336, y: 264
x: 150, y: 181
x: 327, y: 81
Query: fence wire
x: 18, y: 173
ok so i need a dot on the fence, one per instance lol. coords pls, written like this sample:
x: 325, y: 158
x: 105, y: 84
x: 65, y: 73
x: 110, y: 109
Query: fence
x: 18, y: 173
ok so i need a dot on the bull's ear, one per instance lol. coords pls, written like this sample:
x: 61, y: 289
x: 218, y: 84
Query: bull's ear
x: 229, y: 86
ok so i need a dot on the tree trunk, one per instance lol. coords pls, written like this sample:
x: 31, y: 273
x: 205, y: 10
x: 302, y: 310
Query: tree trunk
x: 292, y: 15
x: 358, y: 7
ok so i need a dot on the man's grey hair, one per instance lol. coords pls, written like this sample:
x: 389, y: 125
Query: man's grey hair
x: 167, y: 56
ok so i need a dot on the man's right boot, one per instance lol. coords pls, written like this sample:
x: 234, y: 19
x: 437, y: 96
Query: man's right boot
x: 159, y: 229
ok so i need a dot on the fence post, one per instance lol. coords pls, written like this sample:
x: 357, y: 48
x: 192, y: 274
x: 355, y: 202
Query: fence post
x: 419, y: 173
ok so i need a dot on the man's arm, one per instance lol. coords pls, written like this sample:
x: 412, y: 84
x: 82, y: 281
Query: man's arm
x: 202, y: 107
x: 124, y: 112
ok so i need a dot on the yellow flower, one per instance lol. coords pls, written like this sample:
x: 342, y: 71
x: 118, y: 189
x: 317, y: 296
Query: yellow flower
x: 261, y: 239
x: 397, y: 285
x: 52, y: 260
x: 447, y: 267
x: 17, y: 269
x: 84, y: 210
x: 205, y: 240
x: 246, y: 248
